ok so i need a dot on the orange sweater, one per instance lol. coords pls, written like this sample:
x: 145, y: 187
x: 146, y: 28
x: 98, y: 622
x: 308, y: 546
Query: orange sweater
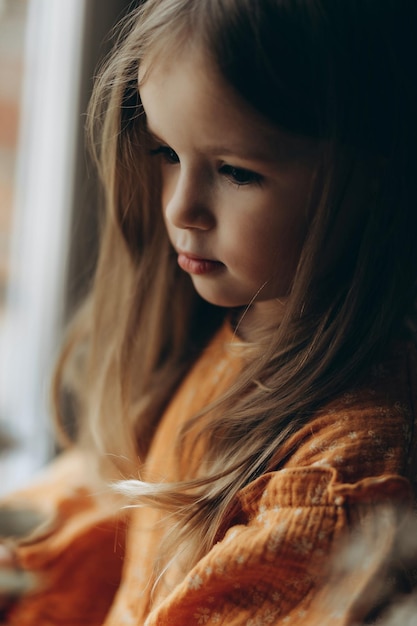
x: 356, y: 454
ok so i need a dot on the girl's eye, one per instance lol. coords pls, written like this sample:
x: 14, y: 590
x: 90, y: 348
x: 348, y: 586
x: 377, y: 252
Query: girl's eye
x: 240, y: 176
x: 167, y: 153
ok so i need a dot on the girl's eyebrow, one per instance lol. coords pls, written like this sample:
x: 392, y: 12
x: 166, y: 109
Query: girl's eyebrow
x: 224, y: 150
x: 239, y: 151
x: 280, y: 151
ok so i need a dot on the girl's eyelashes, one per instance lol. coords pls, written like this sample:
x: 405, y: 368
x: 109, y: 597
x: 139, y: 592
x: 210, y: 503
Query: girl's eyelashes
x: 240, y: 176
x: 237, y: 175
x: 168, y: 154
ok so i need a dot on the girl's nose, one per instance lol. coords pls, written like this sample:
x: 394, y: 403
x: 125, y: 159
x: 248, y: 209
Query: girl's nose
x: 188, y: 202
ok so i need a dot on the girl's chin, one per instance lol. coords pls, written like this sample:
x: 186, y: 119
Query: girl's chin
x: 222, y: 298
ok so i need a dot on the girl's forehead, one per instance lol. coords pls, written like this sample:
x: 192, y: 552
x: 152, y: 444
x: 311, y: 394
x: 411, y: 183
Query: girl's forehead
x: 188, y: 91
x: 187, y: 81
x: 163, y: 58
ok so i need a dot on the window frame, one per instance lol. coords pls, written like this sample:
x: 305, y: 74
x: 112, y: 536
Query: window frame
x: 54, y: 230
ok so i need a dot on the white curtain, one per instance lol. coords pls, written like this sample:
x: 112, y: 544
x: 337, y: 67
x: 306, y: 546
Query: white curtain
x: 30, y: 332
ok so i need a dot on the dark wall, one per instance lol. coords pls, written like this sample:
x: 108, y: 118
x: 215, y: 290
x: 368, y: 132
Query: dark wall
x: 101, y: 17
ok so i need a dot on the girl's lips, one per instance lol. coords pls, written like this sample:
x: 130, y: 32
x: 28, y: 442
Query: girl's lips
x: 196, y: 265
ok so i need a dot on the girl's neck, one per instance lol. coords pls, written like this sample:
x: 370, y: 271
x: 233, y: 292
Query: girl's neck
x: 250, y: 323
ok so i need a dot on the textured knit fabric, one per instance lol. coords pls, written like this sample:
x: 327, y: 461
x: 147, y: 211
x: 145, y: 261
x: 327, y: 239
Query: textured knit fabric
x: 356, y: 455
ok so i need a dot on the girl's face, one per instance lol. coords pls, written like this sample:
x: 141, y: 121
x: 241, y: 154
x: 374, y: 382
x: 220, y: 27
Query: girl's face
x: 235, y: 189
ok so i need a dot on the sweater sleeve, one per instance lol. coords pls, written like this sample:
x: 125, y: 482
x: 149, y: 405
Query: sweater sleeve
x: 272, y: 569
x: 75, y: 556
x: 342, y: 494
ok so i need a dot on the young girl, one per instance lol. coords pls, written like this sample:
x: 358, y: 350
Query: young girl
x: 243, y: 368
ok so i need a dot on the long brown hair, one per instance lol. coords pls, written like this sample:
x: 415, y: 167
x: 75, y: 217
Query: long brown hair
x: 338, y: 71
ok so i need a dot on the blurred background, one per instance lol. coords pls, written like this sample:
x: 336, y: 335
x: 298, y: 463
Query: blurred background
x: 49, y: 51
